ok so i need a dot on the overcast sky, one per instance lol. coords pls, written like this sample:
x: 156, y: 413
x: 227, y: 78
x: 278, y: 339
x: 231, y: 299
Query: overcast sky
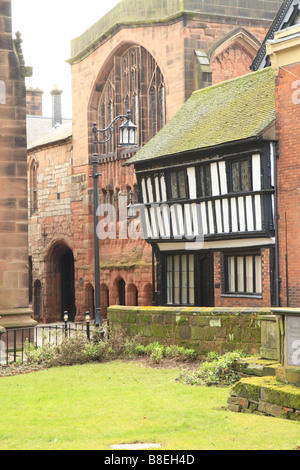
x: 47, y: 28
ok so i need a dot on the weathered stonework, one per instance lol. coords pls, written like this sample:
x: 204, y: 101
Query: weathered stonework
x: 265, y: 396
x: 13, y: 172
x: 203, y: 329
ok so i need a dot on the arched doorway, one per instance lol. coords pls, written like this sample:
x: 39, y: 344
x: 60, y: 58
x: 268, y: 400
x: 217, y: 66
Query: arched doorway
x: 59, y: 283
x: 90, y: 300
x: 121, y: 292
x: 68, y: 284
x: 132, y: 295
x: 104, y: 299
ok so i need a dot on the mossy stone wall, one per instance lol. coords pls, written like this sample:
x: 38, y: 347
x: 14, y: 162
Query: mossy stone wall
x: 267, y: 396
x: 203, y: 329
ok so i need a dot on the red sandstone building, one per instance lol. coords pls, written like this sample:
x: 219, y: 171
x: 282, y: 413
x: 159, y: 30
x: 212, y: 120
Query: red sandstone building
x: 14, y: 302
x: 150, y: 61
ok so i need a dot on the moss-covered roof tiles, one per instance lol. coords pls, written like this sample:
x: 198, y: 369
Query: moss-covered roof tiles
x: 231, y: 111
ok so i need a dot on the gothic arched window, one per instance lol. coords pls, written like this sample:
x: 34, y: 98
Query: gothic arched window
x: 136, y: 83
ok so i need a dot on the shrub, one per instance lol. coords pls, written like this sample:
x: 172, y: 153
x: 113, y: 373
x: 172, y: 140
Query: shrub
x: 78, y: 349
x: 97, y: 352
x: 71, y: 349
x: 180, y: 352
x: 217, y: 371
x: 45, y: 355
x: 157, y: 351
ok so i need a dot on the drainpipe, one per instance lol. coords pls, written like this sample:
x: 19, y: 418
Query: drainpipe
x: 275, y: 156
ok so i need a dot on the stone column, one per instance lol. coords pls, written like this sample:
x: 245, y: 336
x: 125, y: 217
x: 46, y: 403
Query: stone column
x: 14, y: 295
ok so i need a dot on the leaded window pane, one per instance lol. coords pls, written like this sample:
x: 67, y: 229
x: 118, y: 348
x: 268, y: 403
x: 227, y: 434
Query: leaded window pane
x: 244, y: 274
x: 182, y: 184
x: 174, y: 186
x: 245, y: 176
x: 236, y: 183
x: 180, y: 280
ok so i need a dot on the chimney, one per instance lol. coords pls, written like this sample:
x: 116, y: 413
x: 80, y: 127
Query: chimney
x: 34, y: 102
x: 56, y: 106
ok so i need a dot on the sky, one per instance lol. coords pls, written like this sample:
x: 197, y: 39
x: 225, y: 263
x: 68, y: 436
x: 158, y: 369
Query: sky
x: 47, y: 28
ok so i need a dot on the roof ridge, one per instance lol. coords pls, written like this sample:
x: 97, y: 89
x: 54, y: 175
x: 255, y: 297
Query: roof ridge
x: 227, y: 82
x: 240, y: 108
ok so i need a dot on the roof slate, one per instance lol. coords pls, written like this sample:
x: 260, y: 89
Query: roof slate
x: 55, y: 134
x: 231, y: 111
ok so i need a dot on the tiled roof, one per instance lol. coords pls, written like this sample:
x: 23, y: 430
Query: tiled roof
x: 54, y: 134
x: 231, y: 111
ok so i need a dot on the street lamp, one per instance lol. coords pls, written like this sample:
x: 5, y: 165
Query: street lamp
x: 128, y: 138
x: 131, y: 209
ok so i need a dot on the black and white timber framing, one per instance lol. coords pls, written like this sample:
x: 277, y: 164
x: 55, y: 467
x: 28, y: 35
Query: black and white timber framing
x: 224, y: 211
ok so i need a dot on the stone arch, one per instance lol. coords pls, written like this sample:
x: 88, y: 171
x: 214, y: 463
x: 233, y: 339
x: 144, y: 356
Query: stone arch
x: 147, y: 295
x: 90, y: 300
x: 37, y: 300
x: 59, y: 282
x: 121, y: 292
x: 104, y: 290
x: 117, y: 293
x: 112, y: 72
x: 132, y: 295
x: 232, y: 55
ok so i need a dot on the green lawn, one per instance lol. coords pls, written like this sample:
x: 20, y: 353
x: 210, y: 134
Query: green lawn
x: 94, y: 406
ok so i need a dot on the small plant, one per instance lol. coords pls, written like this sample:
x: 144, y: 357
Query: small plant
x: 212, y: 356
x: 216, y: 371
x: 97, y: 352
x: 157, y: 351
x: 180, y: 352
x: 45, y: 354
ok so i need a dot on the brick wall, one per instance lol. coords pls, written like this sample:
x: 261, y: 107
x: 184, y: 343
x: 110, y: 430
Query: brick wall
x: 288, y: 127
x: 221, y: 300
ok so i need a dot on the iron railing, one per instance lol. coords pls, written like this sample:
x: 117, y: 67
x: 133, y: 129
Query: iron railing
x: 12, y: 341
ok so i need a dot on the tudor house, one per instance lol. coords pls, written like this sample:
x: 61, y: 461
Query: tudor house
x: 207, y: 194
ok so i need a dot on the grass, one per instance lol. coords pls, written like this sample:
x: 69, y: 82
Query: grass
x: 91, y: 407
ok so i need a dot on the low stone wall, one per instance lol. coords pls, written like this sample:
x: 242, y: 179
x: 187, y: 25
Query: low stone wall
x: 203, y: 329
x: 266, y: 396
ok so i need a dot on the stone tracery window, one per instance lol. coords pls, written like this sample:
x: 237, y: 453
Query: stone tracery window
x: 136, y: 83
